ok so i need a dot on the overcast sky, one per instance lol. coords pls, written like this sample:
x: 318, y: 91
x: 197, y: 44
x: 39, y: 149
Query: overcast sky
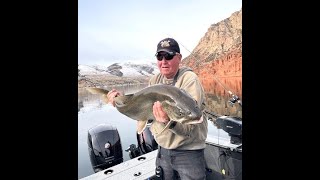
x: 112, y: 31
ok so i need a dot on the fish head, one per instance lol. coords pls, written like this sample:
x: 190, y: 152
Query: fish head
x: 184, y: 112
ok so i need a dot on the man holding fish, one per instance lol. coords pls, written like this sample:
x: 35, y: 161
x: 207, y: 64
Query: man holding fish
x: 181, y: 144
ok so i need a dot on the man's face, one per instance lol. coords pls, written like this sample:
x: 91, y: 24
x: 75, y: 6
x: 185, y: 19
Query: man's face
x: 169, y: 67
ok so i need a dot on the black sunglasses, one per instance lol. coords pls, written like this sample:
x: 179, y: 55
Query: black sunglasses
x: 166, y: 55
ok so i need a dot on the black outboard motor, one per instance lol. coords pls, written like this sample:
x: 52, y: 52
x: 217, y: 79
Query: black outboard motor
x: 104, y: 147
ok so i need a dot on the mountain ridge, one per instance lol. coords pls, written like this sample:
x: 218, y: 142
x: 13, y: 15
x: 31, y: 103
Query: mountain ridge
x: 218, y: 54
x: 116, y: 73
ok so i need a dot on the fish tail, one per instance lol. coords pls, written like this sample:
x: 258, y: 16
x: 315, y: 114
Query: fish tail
x: 95, y: 90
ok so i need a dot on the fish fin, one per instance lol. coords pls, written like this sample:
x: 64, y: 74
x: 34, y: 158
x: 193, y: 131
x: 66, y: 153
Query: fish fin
x: 156, y: 126
x: 95, y: 90
x: 166, y: 127
x: 141, y: 125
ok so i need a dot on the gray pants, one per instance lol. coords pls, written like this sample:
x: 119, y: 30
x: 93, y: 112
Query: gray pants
x: 181, y: 164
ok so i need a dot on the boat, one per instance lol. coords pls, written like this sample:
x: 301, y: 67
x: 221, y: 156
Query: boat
x: 223, y: 155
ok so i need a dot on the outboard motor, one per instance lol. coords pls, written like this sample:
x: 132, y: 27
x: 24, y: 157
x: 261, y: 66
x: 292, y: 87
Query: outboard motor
x: 146, y: 143
x: 104, y: 146
x: 233, y: 126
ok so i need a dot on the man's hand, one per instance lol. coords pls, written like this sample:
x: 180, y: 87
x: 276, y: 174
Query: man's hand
x: 159, y: 114
x: 110, y: 96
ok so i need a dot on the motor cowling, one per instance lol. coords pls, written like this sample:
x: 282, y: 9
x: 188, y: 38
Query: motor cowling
x: 146, y: 141
x: 104, y: 146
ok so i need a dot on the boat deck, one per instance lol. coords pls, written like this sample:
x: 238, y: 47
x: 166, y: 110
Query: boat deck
x: 139, y: 168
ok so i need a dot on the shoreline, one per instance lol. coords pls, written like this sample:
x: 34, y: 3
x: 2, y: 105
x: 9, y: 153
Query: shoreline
x: 101, y: 81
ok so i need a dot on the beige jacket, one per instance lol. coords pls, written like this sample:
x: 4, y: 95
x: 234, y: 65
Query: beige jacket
x: 182, y: 136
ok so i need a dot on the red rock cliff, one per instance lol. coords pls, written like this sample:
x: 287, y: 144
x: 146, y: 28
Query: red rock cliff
x: 219, y: 52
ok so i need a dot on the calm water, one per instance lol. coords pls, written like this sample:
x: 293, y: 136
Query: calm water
x: 92, y: 112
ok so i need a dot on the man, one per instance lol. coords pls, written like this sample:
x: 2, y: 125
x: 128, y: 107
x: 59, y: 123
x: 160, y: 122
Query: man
x: 181, y: 146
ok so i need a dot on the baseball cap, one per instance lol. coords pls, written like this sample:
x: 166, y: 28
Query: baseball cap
x: 168, y: 45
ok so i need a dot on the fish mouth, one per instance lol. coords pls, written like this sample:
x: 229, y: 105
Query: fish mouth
x: 194, y: 116
x: 191, y: 119
x: 195, y: 121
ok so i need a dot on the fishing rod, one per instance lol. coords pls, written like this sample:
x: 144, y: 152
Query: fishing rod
x: 230, y: 124
x: 234, y: 98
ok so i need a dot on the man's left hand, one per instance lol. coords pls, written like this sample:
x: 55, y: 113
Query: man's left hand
x: 159, y: 114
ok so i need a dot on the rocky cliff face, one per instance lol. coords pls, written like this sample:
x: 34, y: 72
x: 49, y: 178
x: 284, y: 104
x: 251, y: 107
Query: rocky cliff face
x: 219, y: 51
